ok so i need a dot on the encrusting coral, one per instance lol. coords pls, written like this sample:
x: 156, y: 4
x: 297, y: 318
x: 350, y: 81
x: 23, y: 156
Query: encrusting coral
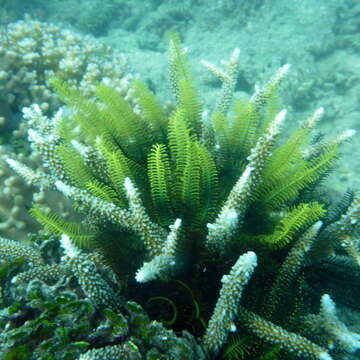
x: 177, y: 196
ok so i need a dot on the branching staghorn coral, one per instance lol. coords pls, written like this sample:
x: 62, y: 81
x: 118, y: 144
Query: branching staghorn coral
x: 11, y: 250
x: 73, y: 262
x: 94, y: 287
x: 327, y: 328
x: 190, y: 197
x: 226, y: 307
x: 274, y: 334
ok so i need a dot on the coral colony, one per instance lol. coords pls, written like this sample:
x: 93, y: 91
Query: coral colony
x: 176, y: 203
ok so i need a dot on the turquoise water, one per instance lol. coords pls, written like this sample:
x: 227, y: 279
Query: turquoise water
x: 85, y: 42
x: 320, y: 39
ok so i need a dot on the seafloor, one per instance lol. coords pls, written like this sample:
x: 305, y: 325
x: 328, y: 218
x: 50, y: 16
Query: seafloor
x: 320, y: 39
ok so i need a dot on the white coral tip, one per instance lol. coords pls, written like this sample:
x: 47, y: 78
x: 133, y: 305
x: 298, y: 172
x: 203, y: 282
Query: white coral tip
x: 177, y: 224
x: 324, y: 356
x: 12, y: 163
x: 280, y: 117
x: 67, y: 245
x: 349, y: 133
x: 62, y: 187
x: 129, y: 187
x: 235, y: 55
x: 319, y: 111
x: 328, y: 304
x: 277, y: 122
x: 284, y: 69
x: 249, y: 258
x: 140, y: 276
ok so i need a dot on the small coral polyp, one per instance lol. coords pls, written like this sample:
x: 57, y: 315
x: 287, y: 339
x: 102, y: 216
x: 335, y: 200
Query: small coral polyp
x: 219, y: 200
